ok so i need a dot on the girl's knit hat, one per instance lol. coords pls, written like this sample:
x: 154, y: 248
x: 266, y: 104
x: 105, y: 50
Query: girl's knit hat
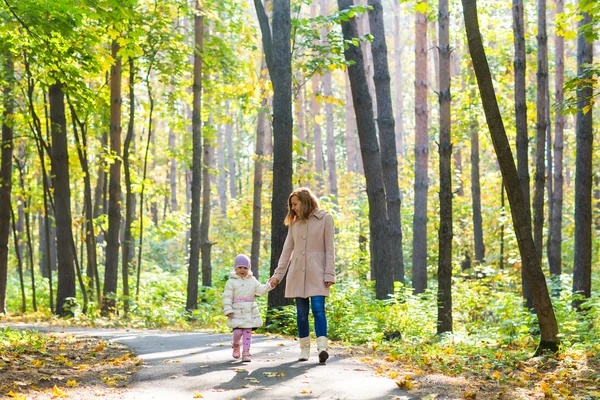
x: 241, y: 260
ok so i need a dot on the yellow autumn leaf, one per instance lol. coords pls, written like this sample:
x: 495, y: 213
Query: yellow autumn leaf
x: 496, y: 375
x: 546, y: 389
x: 530, y: 370
x: 16, y: 396
x: 198, y: 396
x: 100, y: 347
x: 393, y: 373
x: 304, y: 391
x: 469, y: 395
x: 58, y: 392
x: 404, y: 383
x: 72, y: 383
x: 38, y: 363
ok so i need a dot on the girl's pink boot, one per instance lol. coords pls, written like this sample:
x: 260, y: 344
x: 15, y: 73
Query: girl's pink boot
x: 236, y: 350
x: 246, y: 356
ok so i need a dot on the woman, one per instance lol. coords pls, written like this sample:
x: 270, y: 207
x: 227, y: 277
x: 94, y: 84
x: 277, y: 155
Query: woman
x: 309, y: 258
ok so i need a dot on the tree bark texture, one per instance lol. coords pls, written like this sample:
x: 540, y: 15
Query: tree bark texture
x: 380, y: 241
x: 6, y: 173
x: 398, y: 94
x: 521, y: 121
x: 194, y: 265
x: 522, y: 226
x: 173, y: 171
x: 222, y: 185
x: 281, y: 77
x: 114, y: 201
x: 352, y: 155
x: 421, y: 184
x: 258, y: 182
x: 475, y: 177
x: 444, y: 321
x: 62, y: 200
x: 582, y: 262
x: 387, y: 136
x: 541, y: 126
x: 205, y: 244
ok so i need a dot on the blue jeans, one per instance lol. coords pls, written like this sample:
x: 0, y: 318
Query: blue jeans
x: 318, y: 310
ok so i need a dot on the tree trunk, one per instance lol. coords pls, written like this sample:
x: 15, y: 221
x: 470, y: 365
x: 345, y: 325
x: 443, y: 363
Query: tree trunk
x: 380, y: 242
x: 352, y: 157
x: 554, y: 248
x: 193, y: 267
x: 114, y: 197
x: 128, y: 242
x: 280, y: 70
x: 521, y: 122
x: 222, y: 185
x: 522, y: 226
x: 399, y: 95
x: 330, y: 139
x: 205, y: 244
x: 173, y: 170
x: 444, y: 321
x: 317, y: 134
x: 90, y: 236
x: 387, y: 137
x: 541, y: 126
x: 6, y: 174
x: 62, y: 200
x: 19, y: 263
x: 421, y: 185
x: 258, y: 183
x: 582, y: 260
x: 231, y: 157
x: 475, y: 179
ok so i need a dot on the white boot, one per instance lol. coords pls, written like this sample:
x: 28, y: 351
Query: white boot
x: 322, y: 349
x: 304, y: 348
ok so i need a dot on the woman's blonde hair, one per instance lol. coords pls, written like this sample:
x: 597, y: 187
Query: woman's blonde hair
x: 308, y: 204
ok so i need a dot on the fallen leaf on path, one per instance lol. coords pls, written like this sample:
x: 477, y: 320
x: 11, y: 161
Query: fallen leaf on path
x: 304, y: 391
x: 280, y: 344
x: 58, y: 392
x: 273, y: 374
x: 253, y: 380
x: 72, y: 383
x: 100, y: 347
x: 238, y: 370
x: 198, y: 396
x: 16, y: 395
x: 469, y: 395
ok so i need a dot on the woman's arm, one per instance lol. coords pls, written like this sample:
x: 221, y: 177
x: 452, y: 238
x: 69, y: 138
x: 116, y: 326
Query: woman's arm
x: 286, y: 255
x: 329, y: 250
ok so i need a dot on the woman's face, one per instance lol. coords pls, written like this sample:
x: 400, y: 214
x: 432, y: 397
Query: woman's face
x: 296, y: 205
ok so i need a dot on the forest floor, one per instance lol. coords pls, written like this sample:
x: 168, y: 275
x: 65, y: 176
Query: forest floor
x: 86, y: 363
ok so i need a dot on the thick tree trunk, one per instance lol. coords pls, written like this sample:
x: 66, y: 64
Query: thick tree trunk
x: 399, y: 95
x: 522, y: 226
x: 521, y: 122
x: 101, y: 181
x: 541, y: 126
x: 193, y: 267
x: 280, y: 71
x: 582, y: 260
x: 387, y: 137
x: 444, y: 321
x: 62, y: 200
x: 421, y: 185
x: 19, y: 262
x: 205, y: 244
x: 114, y: 201
x: 6, y: 173
x: 380, y: 241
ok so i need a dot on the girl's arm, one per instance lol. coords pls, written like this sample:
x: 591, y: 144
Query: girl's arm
x: 228, y: 298
x: 262, y: 289
x: 329, y: 250
x: 286, y: 255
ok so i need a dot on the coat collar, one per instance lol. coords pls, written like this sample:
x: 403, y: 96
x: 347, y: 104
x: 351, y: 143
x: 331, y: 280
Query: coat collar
x: 319, y: 214
x: 233, y: 275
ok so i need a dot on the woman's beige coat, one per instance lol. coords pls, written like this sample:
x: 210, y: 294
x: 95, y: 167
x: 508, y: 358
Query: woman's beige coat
x: 245, y: 313
x: 309, y: 255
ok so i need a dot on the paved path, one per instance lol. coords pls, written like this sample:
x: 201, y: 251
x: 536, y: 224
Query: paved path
x: 178, y: 365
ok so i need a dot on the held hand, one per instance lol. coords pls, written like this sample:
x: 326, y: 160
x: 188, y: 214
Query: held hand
x: 230, y: 315
x: 328, y: 284
x: 274, y: 282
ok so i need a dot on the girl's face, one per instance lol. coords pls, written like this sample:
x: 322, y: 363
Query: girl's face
x: 241, y: 271
x: 296, y: 205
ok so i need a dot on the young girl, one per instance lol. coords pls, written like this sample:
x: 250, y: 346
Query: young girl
x: 239, y: 305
